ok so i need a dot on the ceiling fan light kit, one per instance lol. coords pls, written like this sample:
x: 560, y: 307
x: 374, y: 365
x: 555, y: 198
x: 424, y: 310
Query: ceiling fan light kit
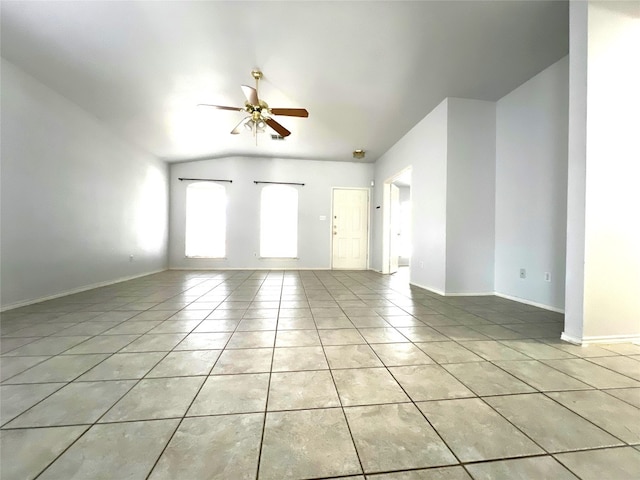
x: 359, y: 153
x: 260, y: 115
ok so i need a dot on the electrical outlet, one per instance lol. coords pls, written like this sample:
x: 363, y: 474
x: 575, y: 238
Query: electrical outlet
x: 421, y: 264
x: 547, y: 276
x: 131, y: 258
x: 523, y: 273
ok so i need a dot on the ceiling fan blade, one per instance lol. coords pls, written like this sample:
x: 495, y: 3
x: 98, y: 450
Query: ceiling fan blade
x: 290, y: 112
x: 219, y: 107
x: 251, y: 94
x: 277, y: 127
x: 237, y: 129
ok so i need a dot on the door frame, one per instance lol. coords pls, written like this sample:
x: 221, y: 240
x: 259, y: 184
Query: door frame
x: 386, y: 217
x: 368, y: 190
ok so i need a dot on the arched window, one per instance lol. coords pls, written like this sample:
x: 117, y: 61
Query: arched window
x: 206, y: 215
x: 279, y: 222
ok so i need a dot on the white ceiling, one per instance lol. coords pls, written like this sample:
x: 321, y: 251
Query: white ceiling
x: 366, y: 71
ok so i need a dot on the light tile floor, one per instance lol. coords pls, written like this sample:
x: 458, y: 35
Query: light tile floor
x: 308, y: 375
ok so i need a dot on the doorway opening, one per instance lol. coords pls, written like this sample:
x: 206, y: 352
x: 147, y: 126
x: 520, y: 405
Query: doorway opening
x: 397, y: 224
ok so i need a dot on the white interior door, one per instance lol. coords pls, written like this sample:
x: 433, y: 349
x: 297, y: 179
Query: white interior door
x: 394, y: 228
x: 350, y: 229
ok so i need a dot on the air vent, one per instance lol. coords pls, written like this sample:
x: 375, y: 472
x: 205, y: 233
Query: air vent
x: 277, y: 137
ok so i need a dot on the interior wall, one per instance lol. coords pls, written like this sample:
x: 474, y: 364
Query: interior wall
x: 424, y: 148
x: 451, y: 152
x: 243, y: 207
x: 531, y: 188
x: 404, y: 193
x: 404, y: 196
x: 76, y: 200
x: 470, y: 196
x: 612, y: 229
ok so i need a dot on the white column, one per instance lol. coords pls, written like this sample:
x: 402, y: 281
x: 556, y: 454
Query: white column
x: 603, y: 226
x: 574, y: 290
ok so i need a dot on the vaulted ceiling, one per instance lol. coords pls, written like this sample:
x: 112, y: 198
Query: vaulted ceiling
x: 366, y: 71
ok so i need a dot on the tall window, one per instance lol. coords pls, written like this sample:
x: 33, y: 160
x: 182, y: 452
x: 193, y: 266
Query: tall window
x: 206, y: 220
x: 279, y: 222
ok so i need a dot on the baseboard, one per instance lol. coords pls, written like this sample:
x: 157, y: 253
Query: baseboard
x: 485, y: 294
x: 449, y: 294
x: 12, y: 306
x: 428, y: 289
x: 472, y: 294
x: 600, y: 339
x: 570, y: 339
x: 529, y: 302
x: 246, y: 268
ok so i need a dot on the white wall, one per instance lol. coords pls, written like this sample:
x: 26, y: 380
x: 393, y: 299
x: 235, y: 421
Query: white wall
x: 451, y: 152
x: 531, y: 186
x: 243, y: 208
x: 404, y: 193
x: 470, y: 196
x: 424, y: 148
x: 612, y: 215
x: 76, y: 200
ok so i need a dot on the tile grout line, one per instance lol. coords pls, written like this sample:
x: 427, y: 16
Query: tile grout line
x: 266, y: 401
x: 477, y: 396
x: 331, y: 290
x: 181, y: 419
x: 342, y: 408
x: 94, y: 423
x: 89, y: 426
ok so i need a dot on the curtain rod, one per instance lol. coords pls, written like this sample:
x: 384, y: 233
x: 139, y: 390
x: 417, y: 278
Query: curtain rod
x: 279, y: 183
x: 204, y: 180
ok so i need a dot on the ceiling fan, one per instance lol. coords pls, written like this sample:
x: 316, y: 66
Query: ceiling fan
x: 259, y: 112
